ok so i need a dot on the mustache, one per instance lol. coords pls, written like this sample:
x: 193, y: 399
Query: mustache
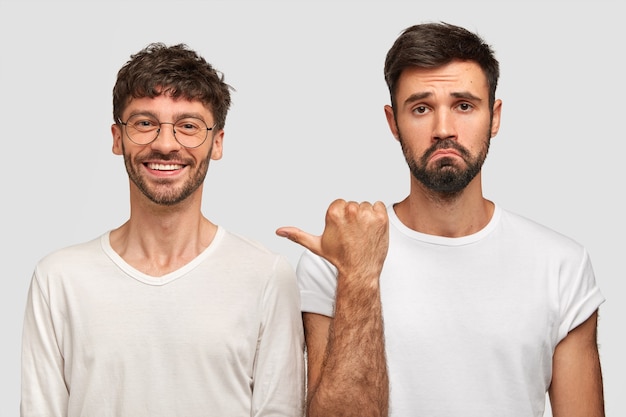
x: 170, y: 157
x: 446, y: 144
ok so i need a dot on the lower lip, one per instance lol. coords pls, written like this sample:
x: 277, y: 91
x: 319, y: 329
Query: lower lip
x: 439, y: 155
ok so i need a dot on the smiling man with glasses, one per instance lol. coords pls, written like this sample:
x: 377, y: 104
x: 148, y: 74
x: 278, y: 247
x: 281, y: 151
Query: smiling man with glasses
x: 169, y: 314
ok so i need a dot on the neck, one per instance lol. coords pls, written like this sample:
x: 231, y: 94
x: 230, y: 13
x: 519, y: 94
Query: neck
x: 439, y: 214
x: 160, y: 239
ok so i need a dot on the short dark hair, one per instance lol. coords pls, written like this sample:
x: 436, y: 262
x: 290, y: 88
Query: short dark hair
x: 430, y: 45
x: 174, y: 70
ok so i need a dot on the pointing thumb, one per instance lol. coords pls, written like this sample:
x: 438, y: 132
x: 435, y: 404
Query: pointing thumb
x: 309, y: 241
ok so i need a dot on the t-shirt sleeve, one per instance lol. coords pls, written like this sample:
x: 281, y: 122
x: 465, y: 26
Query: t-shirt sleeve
x: 44, y: 392
x: 279, y: 367
x: 579, y: 294
x: 317, y: 279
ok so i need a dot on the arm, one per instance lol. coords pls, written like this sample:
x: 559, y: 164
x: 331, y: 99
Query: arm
x: 279, y: 363
x: 347, y: 370
x: 576, y: 388
x: 44, y: 390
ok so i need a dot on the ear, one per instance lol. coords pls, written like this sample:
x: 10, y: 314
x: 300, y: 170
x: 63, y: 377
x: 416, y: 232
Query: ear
x: 218, y: 143
x: 116, y: 131
x: 495, y: 120
x: 391, y: 121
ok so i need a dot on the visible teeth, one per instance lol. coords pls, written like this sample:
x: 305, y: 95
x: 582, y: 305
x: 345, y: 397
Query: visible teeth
x: 165, y: 167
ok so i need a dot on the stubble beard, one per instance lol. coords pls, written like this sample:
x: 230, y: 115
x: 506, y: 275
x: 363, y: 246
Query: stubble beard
x: 446, y: 176
x: 162, y: 192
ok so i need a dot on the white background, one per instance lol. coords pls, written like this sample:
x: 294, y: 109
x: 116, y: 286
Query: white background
x: 307, y: 126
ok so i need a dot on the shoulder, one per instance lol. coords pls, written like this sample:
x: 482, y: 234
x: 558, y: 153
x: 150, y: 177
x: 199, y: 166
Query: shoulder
x: 244, y: 246
x: 251, y: 254
x: 313, y: 271
x: 539, y: 235
x: 312, y: 264
x: 78, y: 254
x: 65, y: 265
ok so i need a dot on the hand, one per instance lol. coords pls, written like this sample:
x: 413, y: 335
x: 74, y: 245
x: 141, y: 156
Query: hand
x: 355, y: 238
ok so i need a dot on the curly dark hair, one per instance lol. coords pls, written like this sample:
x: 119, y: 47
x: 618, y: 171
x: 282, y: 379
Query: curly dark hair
x: 175, y: 70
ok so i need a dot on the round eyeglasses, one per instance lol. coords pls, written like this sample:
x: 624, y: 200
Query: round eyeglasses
x: 143, y: 129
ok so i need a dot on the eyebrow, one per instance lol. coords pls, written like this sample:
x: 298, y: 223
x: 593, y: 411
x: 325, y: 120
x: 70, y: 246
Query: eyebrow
x: 467, y: 95
x: 460, y: 94
x: 179, y: 116
x: 175, y: 116
x: 417, y: 97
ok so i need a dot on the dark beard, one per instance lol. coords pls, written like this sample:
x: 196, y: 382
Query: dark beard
x: 446, y: 176
x: 169, y: 197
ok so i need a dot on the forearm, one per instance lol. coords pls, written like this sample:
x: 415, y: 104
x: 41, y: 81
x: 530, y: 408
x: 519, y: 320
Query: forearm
x: 347, y: 372
x: 353, y: 379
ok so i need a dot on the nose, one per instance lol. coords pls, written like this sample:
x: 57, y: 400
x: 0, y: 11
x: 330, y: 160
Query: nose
x: 166, y: 141
x: 444, y: 127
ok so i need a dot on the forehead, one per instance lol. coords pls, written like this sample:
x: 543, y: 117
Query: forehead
x: 454, y: 77
x: 164, y: 106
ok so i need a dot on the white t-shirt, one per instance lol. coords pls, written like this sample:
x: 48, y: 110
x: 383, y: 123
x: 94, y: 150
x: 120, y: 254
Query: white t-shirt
x: 471, y: 323
x: 221, y: 336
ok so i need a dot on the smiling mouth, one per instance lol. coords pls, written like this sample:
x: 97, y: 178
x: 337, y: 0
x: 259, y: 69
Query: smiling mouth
x: 164, y: 167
